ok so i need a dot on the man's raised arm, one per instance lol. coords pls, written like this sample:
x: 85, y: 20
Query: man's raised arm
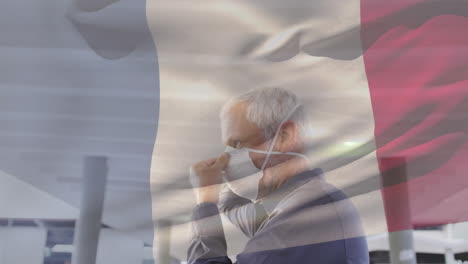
x: 208, y: 243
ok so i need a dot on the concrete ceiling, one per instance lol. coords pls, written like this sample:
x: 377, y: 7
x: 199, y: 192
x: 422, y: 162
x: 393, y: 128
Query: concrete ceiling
x: 73, y: 87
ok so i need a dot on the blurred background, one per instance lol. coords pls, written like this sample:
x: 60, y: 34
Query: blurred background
x: 98, y: 130
x: 42, y: 232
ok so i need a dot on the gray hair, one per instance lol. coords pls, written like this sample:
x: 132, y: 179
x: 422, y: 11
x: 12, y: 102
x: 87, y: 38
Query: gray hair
x: 268, y: 107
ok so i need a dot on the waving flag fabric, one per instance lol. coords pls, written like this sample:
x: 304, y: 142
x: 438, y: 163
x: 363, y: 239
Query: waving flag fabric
x: 142, y: 84
x: 416, y: 68
x: 80, y: 78
x: 384, y: 81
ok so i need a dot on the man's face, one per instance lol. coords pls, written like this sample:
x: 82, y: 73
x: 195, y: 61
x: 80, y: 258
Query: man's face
x: 241, y: 133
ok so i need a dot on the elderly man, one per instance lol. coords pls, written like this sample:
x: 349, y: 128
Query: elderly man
x: 288, y: 211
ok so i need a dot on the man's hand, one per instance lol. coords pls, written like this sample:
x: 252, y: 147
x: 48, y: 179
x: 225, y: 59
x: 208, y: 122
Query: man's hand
x: 206, y: 177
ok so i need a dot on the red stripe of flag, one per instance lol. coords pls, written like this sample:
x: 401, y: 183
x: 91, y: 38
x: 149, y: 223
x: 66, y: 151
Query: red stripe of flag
x: 416, y: 61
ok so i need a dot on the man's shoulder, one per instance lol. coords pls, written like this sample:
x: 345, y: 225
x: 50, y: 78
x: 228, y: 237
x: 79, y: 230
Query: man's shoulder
x: 320, y: 204
x: 314, y: 213
x: 313, y: 193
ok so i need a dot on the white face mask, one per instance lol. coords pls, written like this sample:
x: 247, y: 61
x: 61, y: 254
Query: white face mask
x: 241, y: 174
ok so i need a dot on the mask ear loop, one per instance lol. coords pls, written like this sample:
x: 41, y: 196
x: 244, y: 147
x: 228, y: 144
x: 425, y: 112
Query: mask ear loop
x: 276, y: 136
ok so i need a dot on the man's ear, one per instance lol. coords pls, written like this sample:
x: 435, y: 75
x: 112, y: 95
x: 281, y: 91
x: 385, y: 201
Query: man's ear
x: 287, y: 135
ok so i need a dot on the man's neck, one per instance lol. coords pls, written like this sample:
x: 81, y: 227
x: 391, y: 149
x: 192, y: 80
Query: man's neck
x: 273, y: 199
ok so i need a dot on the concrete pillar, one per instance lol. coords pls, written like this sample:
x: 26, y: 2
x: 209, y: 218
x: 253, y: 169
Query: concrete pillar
x: 398, y: 211
x: 401, y: 247
x: 163, y: 236
x: 449, y: 253
x: 88, y: 224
